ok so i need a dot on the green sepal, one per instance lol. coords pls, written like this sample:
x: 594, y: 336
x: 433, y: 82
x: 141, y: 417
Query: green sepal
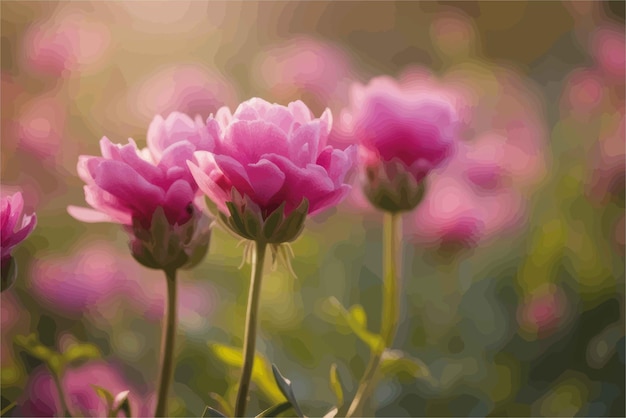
x: 274, y: 411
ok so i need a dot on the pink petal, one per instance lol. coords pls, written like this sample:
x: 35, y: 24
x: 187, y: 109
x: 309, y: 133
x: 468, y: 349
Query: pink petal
x: 90, y: 215
x: 266, y: 180
x: 247, y: 141
x: 304, y: 143
x: 177, y: 199
x: 210, y: 179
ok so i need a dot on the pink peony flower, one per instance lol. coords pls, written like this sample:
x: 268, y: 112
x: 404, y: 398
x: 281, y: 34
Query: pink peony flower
x: 403, y: 135
x: 131, y: 186
x: 272, y: 156
x: 41, y: 397
x: 11, y: 212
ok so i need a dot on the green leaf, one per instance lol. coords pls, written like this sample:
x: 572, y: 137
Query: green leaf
x: 398, y: 362
x: 105, y: 395
x: 261, y: 371
x: 357, y: 322
x: 275, y: 410
x: 272, y: 221
x: 212, y: 413
x: 8, y: 408
x: 81, y: 352
x: 285, y: 387
x: 222, y: 403
x: 335, y: 385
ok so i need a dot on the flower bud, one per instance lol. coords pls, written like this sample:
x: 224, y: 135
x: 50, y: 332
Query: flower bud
x: 391, y: 187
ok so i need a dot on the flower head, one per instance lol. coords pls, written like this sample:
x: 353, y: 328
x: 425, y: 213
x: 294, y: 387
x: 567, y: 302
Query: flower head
x: 11, y: 213
x: 270, y: 168
x: 403, y: 135
x: 150, y: 191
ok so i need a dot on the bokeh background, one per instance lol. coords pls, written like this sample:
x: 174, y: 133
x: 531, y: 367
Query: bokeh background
x: 513, y: 284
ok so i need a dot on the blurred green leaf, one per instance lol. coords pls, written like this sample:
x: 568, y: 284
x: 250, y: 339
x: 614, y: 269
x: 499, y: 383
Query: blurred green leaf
x: 222, y: 403
x: 275, y: 410
x: 397, y: 362
x: 8, y: 408
x: 261, y: 371
x: 210, y: 412
x: 335, y: 385
x: 356, y: 319
x: 285, y: 387
x: 32, y: 346
x: 81, y: 352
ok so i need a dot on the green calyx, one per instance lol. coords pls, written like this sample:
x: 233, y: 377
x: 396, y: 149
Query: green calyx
x: 390, y: 186
x: 169, y: 247
x: 246, y: 219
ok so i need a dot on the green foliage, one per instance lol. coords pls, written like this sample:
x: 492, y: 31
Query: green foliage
x: 356, y: 319
x: 397, y: 362
x: 335, y: 385
x: 275, y: 410
x: 285, y: 387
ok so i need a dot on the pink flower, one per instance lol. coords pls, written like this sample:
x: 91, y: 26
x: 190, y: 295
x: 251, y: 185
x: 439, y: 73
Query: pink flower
x: 131, y: 186
x: 41, y: 397
x: 542, y: 311
x: 272, y: 156
x: 11, y: 212
x: 403, y: 135
x: 609, y: 49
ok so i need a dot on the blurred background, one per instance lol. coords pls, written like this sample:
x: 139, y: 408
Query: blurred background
x: 513, y: 281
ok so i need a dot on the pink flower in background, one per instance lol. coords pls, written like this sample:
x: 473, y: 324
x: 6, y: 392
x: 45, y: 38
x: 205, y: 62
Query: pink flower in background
x: 608, y: 163
x: 187, y: 88
x: 541, y: 312
x: 304, y: 66
x: 15, y: 228
x: 69, y: 41
x: 391, y: 123
x: 131, y: 187
x: 41, y: 126
x: 272, y: 154
x: 609, y: 49
x: 584, y: 92
x: 41, y: 398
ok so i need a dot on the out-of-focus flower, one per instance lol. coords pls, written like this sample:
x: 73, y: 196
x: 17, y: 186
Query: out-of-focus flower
x: 41, y: 397
x: 15, y: 228
x: 609, y: 160
x: 70, y: 41
x: 583, y: 92
x: 41, y: 126
x: 151, y: 192
x: 271, y: 160
x: 403, y: 134
x: 541, y: 312
x: 304, y: 67
x: 609, y: 49
x: 186, y: 88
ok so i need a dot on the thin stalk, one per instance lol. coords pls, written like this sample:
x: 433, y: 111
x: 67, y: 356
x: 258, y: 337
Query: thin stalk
x: 57, y: 383
x: 390, y: 308
x: 168, y: 343
x: 249, y: 341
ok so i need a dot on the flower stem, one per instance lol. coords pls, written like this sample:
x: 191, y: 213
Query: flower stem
x: 167, y: 351
x: 57, y: 383
x: 390, y: 308
x: 249, y: 341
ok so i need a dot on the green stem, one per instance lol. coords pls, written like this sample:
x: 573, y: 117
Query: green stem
x: 249, y: 341
x: 390, y: 308
x: 167, y: 351
x: 57, y: 383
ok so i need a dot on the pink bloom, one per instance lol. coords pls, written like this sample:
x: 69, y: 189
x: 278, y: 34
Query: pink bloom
x: 12, y: 217
x: 392, y: 123
x: 11, y: 212
x: 41, y: 397
x: 583, y: 92
x: 272, y: 155
x: 609, y: 49
x: 542, y: 311
x: 130, y: 186
x: 127, y: 183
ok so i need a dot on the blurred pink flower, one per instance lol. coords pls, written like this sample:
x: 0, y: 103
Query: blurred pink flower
x: 272, y: 154
x: 67, y: 42
x: 608, y: 163
x: 583, y: 92
x: 41, y: 398
x: 609, y: 49
x: 393, y: 123
x: 187, y: 88
x: 542, y: 312
x: 304, y: 67
x: 41, y: 126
